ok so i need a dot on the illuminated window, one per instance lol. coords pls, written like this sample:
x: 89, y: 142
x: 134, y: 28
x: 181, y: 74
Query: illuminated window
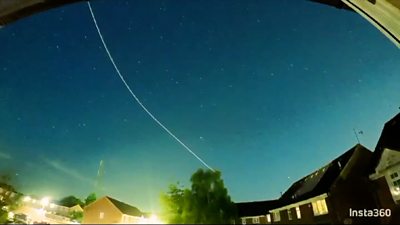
x: 298, y: 213
x: 319, y: 207
x: 268, y: 218
x: 289, y: 213
x: 256, y: 220
x: 276, y: 216
x: 243, y: 220
x: 101, y: 215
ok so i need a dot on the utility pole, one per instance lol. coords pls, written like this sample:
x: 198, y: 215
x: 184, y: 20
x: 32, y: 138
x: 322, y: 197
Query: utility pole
x: 99, y: 179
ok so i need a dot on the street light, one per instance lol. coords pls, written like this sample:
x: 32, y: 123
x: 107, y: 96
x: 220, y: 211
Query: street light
x: 154, y: 220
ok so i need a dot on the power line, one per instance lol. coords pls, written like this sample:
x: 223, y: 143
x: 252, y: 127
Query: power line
x: 136, y: 98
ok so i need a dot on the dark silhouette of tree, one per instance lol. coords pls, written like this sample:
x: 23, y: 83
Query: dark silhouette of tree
x: 207, y: 202
x: 70, y: 201
x: 90, y: 198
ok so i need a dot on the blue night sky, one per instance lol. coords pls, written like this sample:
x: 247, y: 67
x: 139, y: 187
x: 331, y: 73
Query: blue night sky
x: 264, y: 91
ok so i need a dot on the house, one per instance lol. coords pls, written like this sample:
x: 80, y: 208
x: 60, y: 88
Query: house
x: 255, y: 212
x: 328, y: 195
x: 75, y: 208
x: 107, y: 210
x: 385, y: 171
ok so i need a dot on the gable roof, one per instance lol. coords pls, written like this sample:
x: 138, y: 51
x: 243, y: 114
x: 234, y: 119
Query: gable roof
x: 257, y: 208
x: 321, y: 180
x: 125, y: 208
x: 11, y: 10
x: 336, y: 3
x: 390, y: 138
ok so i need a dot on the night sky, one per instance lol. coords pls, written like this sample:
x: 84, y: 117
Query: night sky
x: 264, y: 91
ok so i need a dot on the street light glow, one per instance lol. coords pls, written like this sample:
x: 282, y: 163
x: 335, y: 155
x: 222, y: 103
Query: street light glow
x: 10, y: 215
x: 154, y: 220
x: 27, y: 199
x: 45, y: 201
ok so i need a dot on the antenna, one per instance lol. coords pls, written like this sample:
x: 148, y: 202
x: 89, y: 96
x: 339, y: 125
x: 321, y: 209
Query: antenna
x: 99, y: 179
x: 355, y: 133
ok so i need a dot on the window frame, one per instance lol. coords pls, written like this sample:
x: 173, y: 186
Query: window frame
x: 276, y: 216
x: 290, y: 216
x: 268, y: 217
x: 298, y: 212
x: 320, y: 207
x: 255, y: 220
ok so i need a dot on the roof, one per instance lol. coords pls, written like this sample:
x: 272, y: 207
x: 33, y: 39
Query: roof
x: 125, y: 208
x: 321, y: 180
x: 11, y: 10
x: 336, y: 3
x: 245, y: 209
x: 390, y: 138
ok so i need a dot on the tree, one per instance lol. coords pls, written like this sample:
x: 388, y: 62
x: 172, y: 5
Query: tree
x: 173, y: 202
x: 9, y: 202
x: 90, y: 198
x: 77, y: 216
x: 207, y: 202
x: 70, y: 201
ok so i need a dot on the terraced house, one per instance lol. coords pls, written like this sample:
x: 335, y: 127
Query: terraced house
x: 356, y: 180
x: 326, y: 195
x: 385, y: 171
x: 107, y: 210
x: 255, y: 212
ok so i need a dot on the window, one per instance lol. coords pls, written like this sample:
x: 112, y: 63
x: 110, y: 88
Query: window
x: 298, y: 212
x: 256, y: 220
x: 276, y: 216
x: 289, y: 213
x: 319, y: 207
x: 396, y: 183
x: 394, y: 175
x: 243, y: 220
x: 101, y: 215
x: 268, y: 218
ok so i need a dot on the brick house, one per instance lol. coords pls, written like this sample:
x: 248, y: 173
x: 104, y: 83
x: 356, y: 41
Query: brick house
x: 107, y: 210
x: 255, y: 212
x: 327, y: 195
x: 385, y: 171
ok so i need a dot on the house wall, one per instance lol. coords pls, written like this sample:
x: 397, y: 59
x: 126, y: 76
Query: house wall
x: 353, y: 190
x: 249, y: 220
x: 384, y: 200
x: 111, y: 215
x: 307, y: 216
